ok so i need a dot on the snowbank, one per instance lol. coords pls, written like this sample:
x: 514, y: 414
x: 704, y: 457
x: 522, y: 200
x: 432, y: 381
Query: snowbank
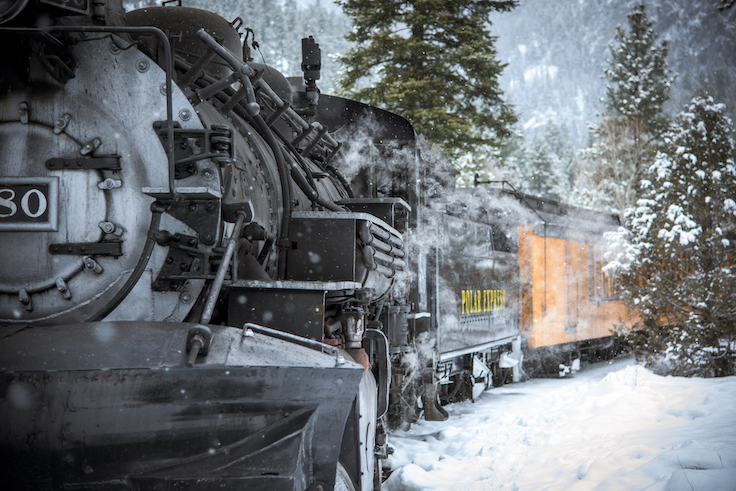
x: 612, y: 427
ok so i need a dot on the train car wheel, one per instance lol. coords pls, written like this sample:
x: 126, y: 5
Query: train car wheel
x: 342, y: 479
x: 500, y: 376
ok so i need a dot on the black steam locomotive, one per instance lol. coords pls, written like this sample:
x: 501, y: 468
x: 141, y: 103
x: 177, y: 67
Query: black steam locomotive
x: 192, y: 296
x: 185, y: 287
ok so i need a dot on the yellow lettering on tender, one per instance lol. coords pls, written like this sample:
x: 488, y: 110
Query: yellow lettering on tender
x: 476, y: 301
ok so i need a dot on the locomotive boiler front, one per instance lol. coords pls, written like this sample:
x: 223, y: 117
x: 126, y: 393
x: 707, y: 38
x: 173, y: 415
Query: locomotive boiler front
x: 78, y: 228
x: 113, y: 196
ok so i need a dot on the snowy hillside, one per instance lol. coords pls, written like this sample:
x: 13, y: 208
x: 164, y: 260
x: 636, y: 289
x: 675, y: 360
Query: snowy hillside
x: 556, y: 52
x: 611, y: 427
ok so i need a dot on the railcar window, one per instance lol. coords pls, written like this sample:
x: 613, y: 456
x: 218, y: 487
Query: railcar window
x: 602, y: 288
x: 504, y: 241
x: 468, y: 238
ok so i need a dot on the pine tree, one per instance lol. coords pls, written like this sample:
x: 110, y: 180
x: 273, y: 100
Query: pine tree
x: 545, y: 167
x: 608, y: 179
x: 433, y: 62
x: 677, y: 254
x: 566, y: 160
x: 539, y: 175
x: 625, y: 141
x: 638, y: 75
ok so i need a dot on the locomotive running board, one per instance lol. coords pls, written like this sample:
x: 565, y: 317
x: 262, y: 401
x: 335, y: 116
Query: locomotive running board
x: 473, y: 349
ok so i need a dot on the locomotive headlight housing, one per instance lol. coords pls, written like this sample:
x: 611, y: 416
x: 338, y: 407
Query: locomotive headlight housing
x: 10, y: 8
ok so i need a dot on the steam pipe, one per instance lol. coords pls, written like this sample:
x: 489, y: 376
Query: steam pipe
x: 265, y: 131
x: 241, y: 68
x: 157, y: 210
x: 209, y: 307
x: 311, y: 193
x: 267, y: 135
x: 195, y: 69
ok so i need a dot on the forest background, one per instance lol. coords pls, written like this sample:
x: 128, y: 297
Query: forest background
x: 555, y: 54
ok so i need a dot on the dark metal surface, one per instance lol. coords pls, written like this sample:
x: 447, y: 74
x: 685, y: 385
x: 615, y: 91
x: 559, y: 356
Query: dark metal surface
x: 342, y: 116
x: 477, y: 288
x: 114, y: 405
x: 108, y: 248
x: 178, y: 23
x: 290, y: 309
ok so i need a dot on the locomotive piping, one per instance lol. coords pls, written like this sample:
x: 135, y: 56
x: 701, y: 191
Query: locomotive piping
x: 157, y: 210
x: 265, y: 131
x: 253, y: 109
x: 168, y: 68
x: 306, y: 187
x: 195, y: 70
x: 312, y: 193
x: 209, y: 307
x: 267, y: 135
x: 241, y: 68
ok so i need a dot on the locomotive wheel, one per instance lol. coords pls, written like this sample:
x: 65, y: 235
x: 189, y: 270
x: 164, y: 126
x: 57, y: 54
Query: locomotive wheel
x: 342, y: 479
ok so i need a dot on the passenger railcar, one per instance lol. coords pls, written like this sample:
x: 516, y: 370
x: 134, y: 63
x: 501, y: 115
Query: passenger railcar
x: 569, y: 307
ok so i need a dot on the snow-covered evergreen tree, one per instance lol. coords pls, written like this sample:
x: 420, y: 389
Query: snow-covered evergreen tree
x: 607, y: 180
x: 545, y: 167
x: 539, y: 175
x: 677, y: 257
x: 639, y: 81
x: 624, y: 143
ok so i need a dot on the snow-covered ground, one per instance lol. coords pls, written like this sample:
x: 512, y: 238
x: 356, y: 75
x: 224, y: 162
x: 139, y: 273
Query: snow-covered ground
x: 610, y: 427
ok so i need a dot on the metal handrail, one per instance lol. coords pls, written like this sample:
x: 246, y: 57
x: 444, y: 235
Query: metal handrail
x: 167, y: 66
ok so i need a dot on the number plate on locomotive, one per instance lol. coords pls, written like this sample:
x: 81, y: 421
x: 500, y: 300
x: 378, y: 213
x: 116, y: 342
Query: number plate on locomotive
x: 29, y: 204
